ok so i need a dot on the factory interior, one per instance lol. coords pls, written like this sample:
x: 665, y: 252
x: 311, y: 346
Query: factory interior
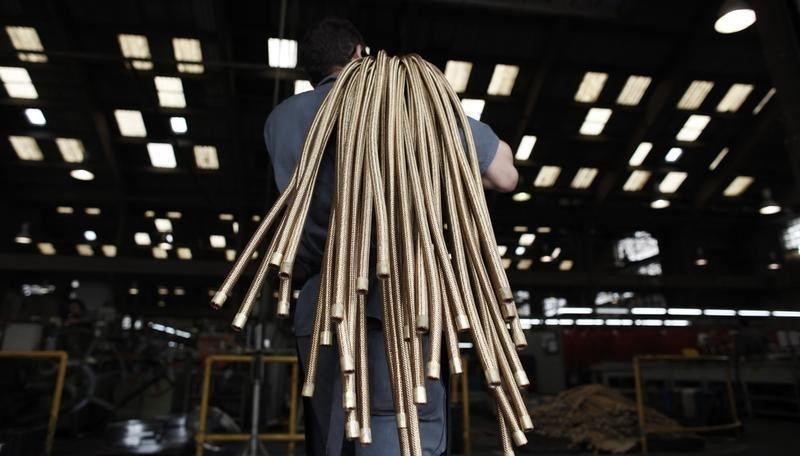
x: 652, y: 242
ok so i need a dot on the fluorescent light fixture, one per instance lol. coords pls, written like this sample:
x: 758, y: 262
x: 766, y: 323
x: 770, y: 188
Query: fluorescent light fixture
x: 719, y: 312
x: 141, y: 238
x: 226, y: 217
x: 660, y: 203
x: 672, y: 181
x: 178, y: 125
x: 501, y: 250
x: 71, y: 149
x: 565, y: 265
x: 17, y: 83
x: 184, y: 253
x: 556, y: 252
x: 457, y: 74
x: 174, y: 214
x: 584, y: 178
x: 159, y: 253
x: 503, y: 78
x: 786, y: 313
x: 130, y: 123
x: 26, y: 148
x: 735, y: 97
x: 35, y: 116
x: 82, y: 174
x: 619, y: 322
x: 24, y: 38
x: 695, y: 95
x: 149, y: 213
x: 684, y: 311
x: 575, y: 310
x: 90, y: 235
x: 754, y: 313
x: 673, y: 155
x: 612, y: 311
x: 506, y: 263
x: 595, y: 121
x: 473, y: 107
x: 524, y: 264
x: 205, y: 157
x: 589, y: 322
x: 519, y: 250
x: 633, y: 90
x: 764, y: 101
x: 65, y: 210
x: 134, y: 46
x: 162, y: 155
x: 520, y: 229
x: 521, y: 196
x: 720, y: 156
x: 677, y: 322
x: 465, y: 345
x: 230, y: 254
x: 282, y: 53
x: 46, y: 248
x: 163, y: 225
x: 527, y: 239
x: 109, y: 250
x: 693, y: 127
x: 774, y: 266
x: 525, y: 147
x: 302, y: 85
x: 170, y: 92
x: 636, y: 180
x: 649, y: 311
x: 92, y: 211
x: 735, y: 20
x: 649, y: 322
x: 547, y: 176
x: 188, y: 50
x: 640, y: 153
x: 590, y: 87
x: 217, y: 241
x: 84, y: 249
x: 179, y: 291
x: 738, y: 186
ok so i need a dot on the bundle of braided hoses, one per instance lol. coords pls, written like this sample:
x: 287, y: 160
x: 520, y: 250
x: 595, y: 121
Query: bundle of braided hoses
x: 408, y: 195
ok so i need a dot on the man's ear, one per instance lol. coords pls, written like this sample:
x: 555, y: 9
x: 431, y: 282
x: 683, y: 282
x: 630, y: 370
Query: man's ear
x: 357, y: 53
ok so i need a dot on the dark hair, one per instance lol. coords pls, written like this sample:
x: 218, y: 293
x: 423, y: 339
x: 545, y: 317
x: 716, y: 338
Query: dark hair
x: 328, y: 44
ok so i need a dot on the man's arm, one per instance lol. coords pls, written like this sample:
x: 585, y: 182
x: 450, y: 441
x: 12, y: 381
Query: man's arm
x: 501, y: 175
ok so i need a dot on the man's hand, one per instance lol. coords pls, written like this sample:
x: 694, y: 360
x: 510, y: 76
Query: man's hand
x: 501, y: 175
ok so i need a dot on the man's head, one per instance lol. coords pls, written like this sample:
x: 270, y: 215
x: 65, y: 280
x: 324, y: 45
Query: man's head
x: 328, y: 46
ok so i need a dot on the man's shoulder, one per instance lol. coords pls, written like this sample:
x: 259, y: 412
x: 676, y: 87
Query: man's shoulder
x: 297, y: 105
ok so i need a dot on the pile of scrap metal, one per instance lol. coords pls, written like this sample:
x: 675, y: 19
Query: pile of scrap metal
x: 597, y: 417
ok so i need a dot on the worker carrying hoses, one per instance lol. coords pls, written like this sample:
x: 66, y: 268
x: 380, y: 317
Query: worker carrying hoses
x: 381, y: 200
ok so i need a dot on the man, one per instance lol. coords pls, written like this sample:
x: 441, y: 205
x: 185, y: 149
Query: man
x: 325, y: 50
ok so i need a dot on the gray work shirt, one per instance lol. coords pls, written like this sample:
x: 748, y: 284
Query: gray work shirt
x: 285, y: 133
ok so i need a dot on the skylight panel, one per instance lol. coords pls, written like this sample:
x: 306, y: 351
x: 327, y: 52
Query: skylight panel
x: 162, y: 155
x: 595, y: 121
x: 764, y: 101
x: 17, y: 83
x: 584, y: 178
x: 282, y: 53
x: 473, y: 107
x: 24, y: 38
x: 640, y: 154
x: 178, y: 125
x: 503, y: 79
x: 720, y: 156
x: 633, y: 90
x: 695, y: 95
x: 26, y: 148
x: 217, y: 241
x: 71, y: 149
x: 142, y: 238
x: 590, y: 87
x: 46, y: 248
x: 189, y: 54
x: 735, y: 97
x: 205, y: 157
x: 136, y: 48
x: 636, y: 181
x: 525, y: 147
x: 527, y: 239
x: 738, y: 186
x: 547, y: 176
x: 693, y: 128
x: 130, y: 123
x: 672, y: 181
x: 457, y: 74
x: 170, y: 92
x: 35, y: 116
x: 673, y: 155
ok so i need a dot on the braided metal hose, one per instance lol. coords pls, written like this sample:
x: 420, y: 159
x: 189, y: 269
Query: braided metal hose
x: 407, y: 197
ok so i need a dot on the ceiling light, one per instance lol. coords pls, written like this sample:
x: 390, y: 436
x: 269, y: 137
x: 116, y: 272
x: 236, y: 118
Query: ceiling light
x: 162, y: 155
x: 457, y: 74
x: 525, y: 147
x: 556, y: 252
x: 700, y: 260
x: 506, y: 263
x: 170, y: 92
x: 130, y: 123
x: 174, y: 214
x: 82, y: 174
x: 595, y: 121
x: 590, y: 87
x: 90, y: 235
x: 693, y: 127
x: 163, y: 225
x: 141, y: 238
x: 575, y: 310
x: 633, y: 90
x: 640, y: 153
x: 24, y: 38
x: 109, y: 250
x: 527, y: 239
x: 774, y: 266
x: 521, y: 196
x: 524, y: 264
x: 159, y: 253
x: 134, y: 46
x: 738, y: 186
x: 92, y: 211
x: 649, y: 311
x: 501, y: 250
x: 225, y: 217
x: 84, y: 249
x: 149, y: 213
x: 35, y: 116
x: 612, y: 311
x: 17, y: 83
x: 673, y: 155
x: 24, y: 235
x: 217, y: 241
x: 719, y: 312
x: 65, y: 210
x: 619, y: 322
x: 520, y: 229
x: 720, y: 156
x: 769, y: 206
x: 71, y: 149
x: 230, y: 254
x: 764, y: 101
x: 734, y: 16
x: 735, y: 97
x: 565, y: 265
x: 184, y: 253
x: 786, y: 313
x: 684, y: 311
x: 547, y: 176
x: 584, y: 178
x: 26, y: 148
x: 282, y: 53
x: 659, y: 203
x: 178, y: 125
x: 473, y: 107
x: 519, y: 251
x: 754, y: 313
x: 695, y: 95
x: 188, y: 50
x: 302, y: 85
x: 636, y: 180
x: 205, y: 157
x: 672, y: 181
x: 46, y: 248
x: 503, y: 78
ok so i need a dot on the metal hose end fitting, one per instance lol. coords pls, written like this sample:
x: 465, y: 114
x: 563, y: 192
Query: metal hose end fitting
x: 522, y: 379
x: 492, y: 376
x: 282, y: 311
x: 527, y: 423
x: 462, y: 322
x: 434, y: 370
x: 308, y: 390
x: 366, y: 436
x: 238, y: 321
x: 362, y: 285
x: 276, y: 259
x: 423, y: 322
x: 420, y: 395
x: 325, y: 338
x: 353, y: 431
x: 286, y: 269
x: 519, y: 438
x: 218, y: 300
x: 401, y: 421
x: 455, y: 366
